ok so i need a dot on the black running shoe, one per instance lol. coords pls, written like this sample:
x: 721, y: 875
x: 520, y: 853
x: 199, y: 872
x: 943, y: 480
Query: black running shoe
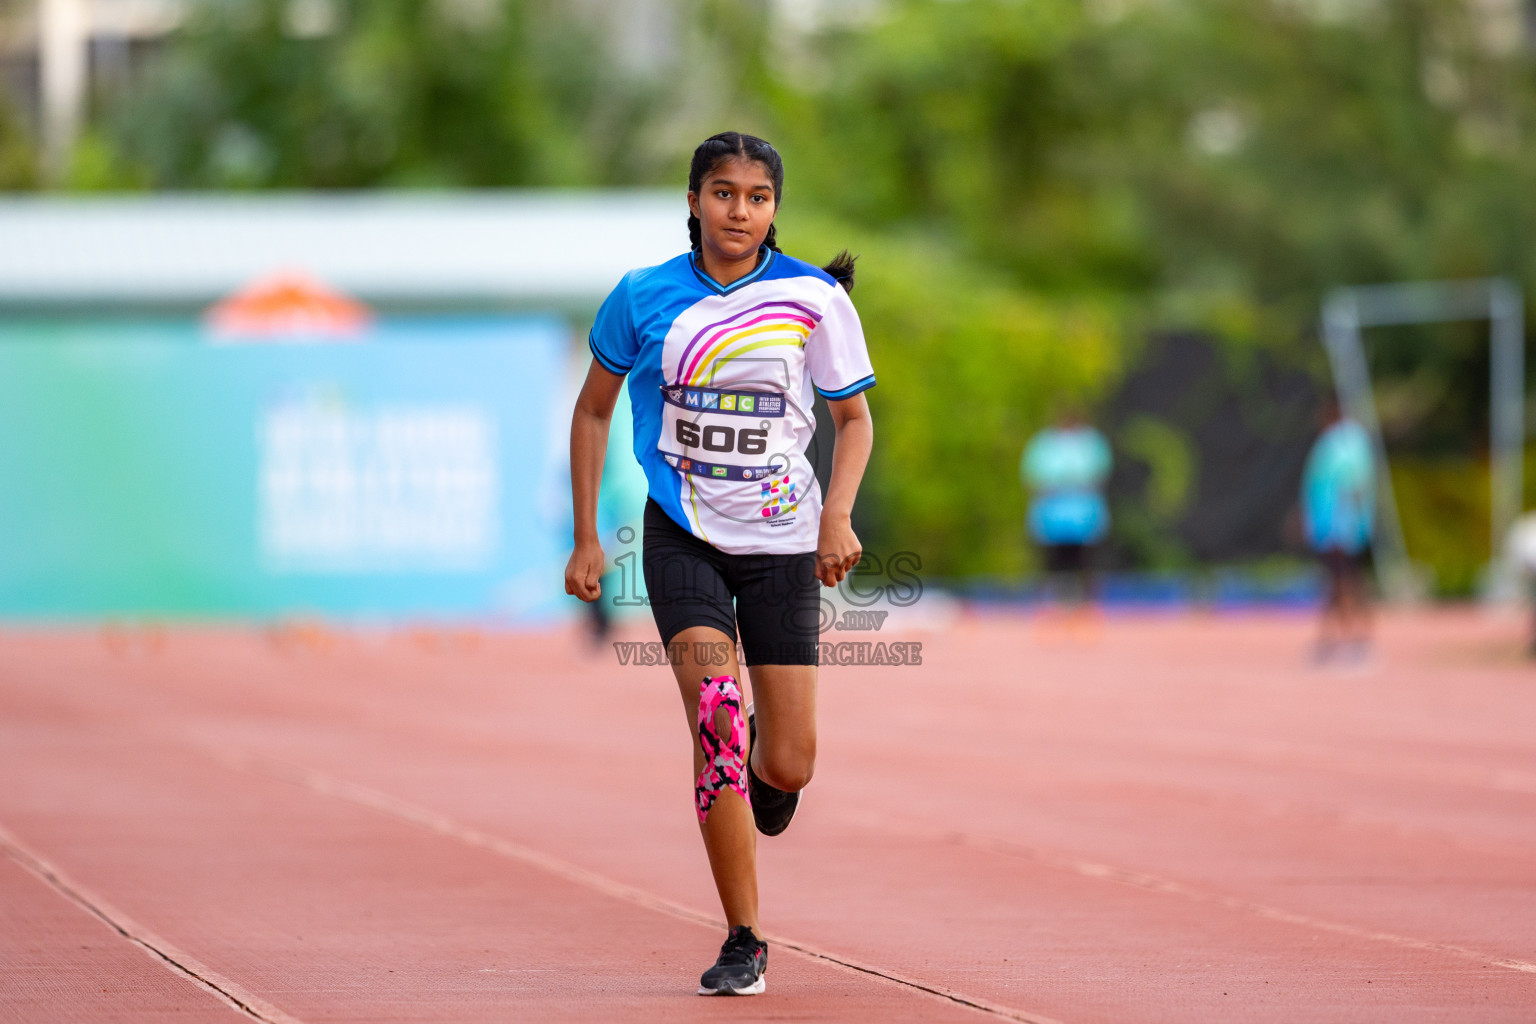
x: 740, y: 969
x: 771, y: 808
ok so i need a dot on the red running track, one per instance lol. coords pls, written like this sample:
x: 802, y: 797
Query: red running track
x: 1153, y: 819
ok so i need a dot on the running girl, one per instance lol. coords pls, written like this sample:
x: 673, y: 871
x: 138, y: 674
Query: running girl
x: 722, y: 346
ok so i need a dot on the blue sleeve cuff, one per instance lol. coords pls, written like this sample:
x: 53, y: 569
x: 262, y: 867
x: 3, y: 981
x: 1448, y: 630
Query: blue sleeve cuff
x: 608, y: 364
x: 850, y: 390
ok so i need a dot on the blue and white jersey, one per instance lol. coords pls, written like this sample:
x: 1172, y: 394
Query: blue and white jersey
x: 1066, y: 467
x: 1338, y: 489
x: 720, y: 380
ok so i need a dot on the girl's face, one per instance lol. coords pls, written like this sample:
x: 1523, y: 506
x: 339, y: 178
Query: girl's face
x: 735, y: 207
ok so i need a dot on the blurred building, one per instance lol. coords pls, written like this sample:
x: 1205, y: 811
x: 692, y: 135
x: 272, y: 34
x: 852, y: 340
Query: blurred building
x: 53, y: 52
x: 485, y: 250
x: 389, y: 445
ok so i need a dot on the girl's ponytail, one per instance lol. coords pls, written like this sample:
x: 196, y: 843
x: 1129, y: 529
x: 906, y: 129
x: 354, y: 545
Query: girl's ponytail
x: 841, y: 269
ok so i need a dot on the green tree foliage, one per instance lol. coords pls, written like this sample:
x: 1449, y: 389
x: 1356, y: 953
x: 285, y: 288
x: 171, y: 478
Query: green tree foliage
x: 1393, y: 145
x: 1256, y: 147
x: 962, y: 117
x: 18, y: 153
x: 363, y: 93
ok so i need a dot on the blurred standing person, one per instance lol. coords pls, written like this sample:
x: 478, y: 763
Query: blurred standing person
x: 1065, y: 467
x: 620, y: 508
x: 1338, y: 508
x: 1520, y: 552
x: 615, y: 511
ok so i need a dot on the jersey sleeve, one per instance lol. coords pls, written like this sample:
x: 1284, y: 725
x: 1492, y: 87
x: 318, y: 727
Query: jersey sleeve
x: 613, y: 339
x: 835, y: 352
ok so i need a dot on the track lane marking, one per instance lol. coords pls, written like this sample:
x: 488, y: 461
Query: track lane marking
x: 158, y: 949
x: 1168, y: 887
x: 328, y: 785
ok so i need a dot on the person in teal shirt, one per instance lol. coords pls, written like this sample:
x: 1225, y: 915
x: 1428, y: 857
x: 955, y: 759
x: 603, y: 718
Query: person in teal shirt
x: 1065, y: 467
x: 1338, y: 506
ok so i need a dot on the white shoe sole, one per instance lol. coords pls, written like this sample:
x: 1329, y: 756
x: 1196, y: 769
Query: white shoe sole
x: 755, y: 989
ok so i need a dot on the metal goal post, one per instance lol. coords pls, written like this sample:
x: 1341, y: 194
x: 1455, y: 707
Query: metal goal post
x: 1348, y: 311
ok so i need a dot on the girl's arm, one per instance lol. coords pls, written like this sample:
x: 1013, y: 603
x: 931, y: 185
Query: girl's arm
x: 589, y: 445
x: 838, y: 549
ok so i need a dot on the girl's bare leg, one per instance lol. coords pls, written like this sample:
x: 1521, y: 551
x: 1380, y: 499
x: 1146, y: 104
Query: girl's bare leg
x: 785, y: 699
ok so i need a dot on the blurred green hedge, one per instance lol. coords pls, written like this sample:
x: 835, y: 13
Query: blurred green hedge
x: 1444, y: 504
x: 968, y: 368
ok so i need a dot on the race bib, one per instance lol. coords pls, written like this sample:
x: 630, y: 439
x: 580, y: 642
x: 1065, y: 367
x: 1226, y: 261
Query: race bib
x: 724, y: 434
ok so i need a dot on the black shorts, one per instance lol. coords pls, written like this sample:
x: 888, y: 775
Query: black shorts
x: 691, y: 583
x: 1067, y: 557
x: 1342, y: 564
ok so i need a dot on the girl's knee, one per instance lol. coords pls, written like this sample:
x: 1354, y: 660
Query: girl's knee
x: 787, y: 770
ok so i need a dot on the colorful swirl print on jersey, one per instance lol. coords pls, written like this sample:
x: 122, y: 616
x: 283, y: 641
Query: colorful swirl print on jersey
x: 779, y: 497
x: 766, y: 325
x: 725, y: 765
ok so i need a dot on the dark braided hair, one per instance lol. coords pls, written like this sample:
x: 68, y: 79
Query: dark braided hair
x: 719, y: 148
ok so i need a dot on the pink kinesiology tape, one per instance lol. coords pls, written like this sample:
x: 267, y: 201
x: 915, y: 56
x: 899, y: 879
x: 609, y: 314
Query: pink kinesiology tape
x: 725, y: 765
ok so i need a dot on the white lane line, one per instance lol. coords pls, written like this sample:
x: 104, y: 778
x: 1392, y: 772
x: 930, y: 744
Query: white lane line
x: 1152, y: 883
x: 329, y: 785
x: 158, y: 949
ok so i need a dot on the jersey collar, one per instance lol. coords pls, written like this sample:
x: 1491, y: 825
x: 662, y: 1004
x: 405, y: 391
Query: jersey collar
x: 765, y: 257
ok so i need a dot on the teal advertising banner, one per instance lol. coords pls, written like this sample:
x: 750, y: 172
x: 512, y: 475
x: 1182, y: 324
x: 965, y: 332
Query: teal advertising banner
x: 145, y: 471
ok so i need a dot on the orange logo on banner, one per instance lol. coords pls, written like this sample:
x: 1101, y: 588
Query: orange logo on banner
x: 288, y: 306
